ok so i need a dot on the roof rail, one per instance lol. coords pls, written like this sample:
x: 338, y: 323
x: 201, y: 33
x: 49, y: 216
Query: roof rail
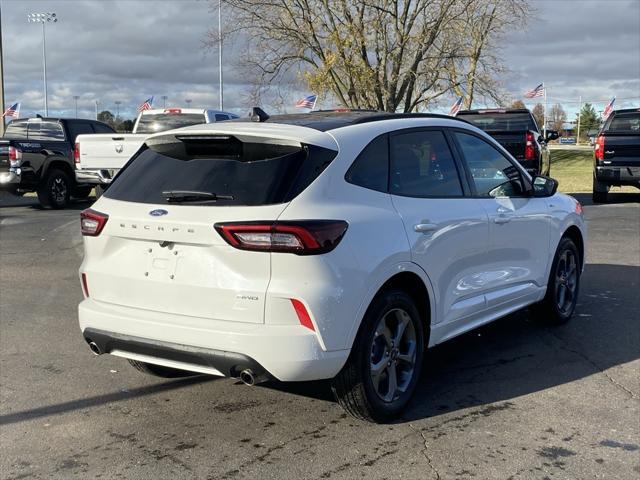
x: 393, y: 116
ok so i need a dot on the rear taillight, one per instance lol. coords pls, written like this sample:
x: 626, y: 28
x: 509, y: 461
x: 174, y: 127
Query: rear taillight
x: 600, y: 147
x: 303, y: 315
x: 529, y: 148
x: 92, y: 222
x: 76, y: 153
x: 15, y: 155
x: 305, y: 237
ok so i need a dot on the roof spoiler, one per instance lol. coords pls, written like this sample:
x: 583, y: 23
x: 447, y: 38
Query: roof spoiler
x: 258, y: 115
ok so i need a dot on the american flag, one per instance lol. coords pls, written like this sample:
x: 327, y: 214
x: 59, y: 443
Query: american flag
x: 146, y: 105
x: 13, y: 111
x: 307, y: 102
x: 455, y: 108
x: 536, y: 92
x: 608, y: 109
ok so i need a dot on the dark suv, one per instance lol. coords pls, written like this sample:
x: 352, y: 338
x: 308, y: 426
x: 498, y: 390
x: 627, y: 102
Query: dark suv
x: 36, y: 155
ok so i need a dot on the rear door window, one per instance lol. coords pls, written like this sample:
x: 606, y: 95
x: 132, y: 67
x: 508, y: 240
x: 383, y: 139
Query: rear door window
x: 221, y: 117
x: 231, y: 171
x: 79, y: 128
x: 495, y: 122
x: 422, y: 165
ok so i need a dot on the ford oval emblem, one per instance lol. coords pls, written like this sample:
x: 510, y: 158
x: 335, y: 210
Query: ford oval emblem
x: 158, y: 212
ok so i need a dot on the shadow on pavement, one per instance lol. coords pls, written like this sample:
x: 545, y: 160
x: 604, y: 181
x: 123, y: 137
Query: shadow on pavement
x: 518, y: 355
x: 612, y: 198
x: 8, y: 200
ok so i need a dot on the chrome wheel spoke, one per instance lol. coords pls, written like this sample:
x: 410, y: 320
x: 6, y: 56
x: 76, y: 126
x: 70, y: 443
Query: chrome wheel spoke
x: 409, y: 355
x: 392, y: 382
x: 377, y: 370
x: 403, y: 321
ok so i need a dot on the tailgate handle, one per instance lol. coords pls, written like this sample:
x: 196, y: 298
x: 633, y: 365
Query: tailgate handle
x: 117, y: 139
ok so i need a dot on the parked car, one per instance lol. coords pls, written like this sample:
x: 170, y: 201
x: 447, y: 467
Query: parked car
x: 321, y: 246
x: 517, y: 131
x: 99, y: 157
x: 36, y: 155
x: 617, y: 153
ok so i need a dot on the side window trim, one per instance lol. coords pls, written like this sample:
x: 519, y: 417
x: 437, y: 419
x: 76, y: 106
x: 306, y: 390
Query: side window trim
x: 443, y: 130
x: 469, y: 176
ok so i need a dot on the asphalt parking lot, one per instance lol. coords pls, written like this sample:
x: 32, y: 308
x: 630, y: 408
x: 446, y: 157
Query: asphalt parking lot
x: 513, y: 400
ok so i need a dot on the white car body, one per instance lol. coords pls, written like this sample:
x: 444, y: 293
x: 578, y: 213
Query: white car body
x: 478, y: 259
x: 100, y: 156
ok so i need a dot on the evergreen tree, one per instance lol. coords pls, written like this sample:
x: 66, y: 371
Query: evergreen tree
x: 589, y: 120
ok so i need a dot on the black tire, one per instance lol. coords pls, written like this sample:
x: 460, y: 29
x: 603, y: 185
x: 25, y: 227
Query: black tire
x: 600, y: 191
x: 99, y: 191
x: 551, y: 310
x: 160, y: 371
x: 55, y: 189
x: 82, y: 192
x: 354, y: 386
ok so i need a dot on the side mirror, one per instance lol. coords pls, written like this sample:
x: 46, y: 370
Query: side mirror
x: 552, y: 135
x: 544, y: 186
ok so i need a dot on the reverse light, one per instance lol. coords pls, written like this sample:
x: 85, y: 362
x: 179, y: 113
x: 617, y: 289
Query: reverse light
x: 92, y: 222
x: 529, y: 149
x: 76, y: 153
x: 305, y: 237
x: 303, y: 315
x: 599, y: 150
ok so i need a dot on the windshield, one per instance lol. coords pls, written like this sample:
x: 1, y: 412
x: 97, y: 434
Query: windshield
x: 161, y: 122
x: 219, y: 171
x: 493, y: 122
x: 625, y: 123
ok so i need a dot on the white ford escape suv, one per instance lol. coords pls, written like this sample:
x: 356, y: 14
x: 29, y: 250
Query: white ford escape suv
x: 321, y: 246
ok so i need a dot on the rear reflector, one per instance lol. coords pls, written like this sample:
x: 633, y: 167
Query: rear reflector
x: 303, y: 314
x: 85, y: 286
x: 92, y: 222
x: 305, y: 237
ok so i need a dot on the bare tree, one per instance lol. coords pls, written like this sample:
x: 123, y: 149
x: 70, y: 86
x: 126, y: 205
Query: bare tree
x: 538, y: 114
x: 518, y: 104
x: 557, y: 117
x: 475, y: 70
x: 381, y: 54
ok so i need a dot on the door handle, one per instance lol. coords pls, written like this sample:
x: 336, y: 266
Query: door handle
x: 425, y: 227
x: 501, y: 219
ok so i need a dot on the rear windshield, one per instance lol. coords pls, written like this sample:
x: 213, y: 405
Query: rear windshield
x: 16, y: 131
x: 494, y: 122
x: 161, y: 122
x: 231, y: 171
x: 625, y: 123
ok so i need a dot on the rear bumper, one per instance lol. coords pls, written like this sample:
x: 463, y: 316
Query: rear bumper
x: 284, y: 352
x: 95, y: 176
x: 10, y: 178
x: 618, y: 175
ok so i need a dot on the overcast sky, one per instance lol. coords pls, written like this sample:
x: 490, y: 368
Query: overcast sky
x: 128, y: 50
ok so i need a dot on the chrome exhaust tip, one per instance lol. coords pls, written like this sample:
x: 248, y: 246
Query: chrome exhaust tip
x: 95, y: 348
x: 248, y: 377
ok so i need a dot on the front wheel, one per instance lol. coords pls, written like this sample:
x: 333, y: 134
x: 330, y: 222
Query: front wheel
x: 55, y: 189
x: 385, y: 362
x: 563, y: 286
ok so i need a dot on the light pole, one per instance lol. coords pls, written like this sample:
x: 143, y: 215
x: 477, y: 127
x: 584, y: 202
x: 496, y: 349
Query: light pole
x: 220, y: 53
x: 97, y: 103
x: 164, y: 101
x: 43, y: 18
x: 76, y: 97
x: 117, y: 102
x: 188, y: 101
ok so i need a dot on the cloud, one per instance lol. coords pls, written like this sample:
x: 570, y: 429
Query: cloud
x: 128, y: 50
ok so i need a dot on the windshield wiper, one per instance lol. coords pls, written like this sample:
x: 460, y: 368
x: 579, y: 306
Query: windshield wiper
x: 184, y: 196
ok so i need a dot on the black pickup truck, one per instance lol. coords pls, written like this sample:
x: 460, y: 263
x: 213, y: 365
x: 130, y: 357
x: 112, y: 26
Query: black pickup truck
x: 37, y: 154
x: 617, y: 153
x: 516, y: 130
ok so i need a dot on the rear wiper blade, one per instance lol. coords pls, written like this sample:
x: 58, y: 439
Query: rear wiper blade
x: 181, y: 196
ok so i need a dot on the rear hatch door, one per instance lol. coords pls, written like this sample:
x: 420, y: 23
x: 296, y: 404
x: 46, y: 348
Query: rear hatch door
x: 165, y: 255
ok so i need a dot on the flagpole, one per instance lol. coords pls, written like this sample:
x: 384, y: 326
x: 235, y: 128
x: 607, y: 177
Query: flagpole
x: 314, y: 103
x: 579, y: 110
x: 544, y: 128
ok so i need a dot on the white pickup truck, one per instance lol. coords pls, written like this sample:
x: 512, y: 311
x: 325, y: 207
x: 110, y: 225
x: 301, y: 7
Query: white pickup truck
x: 99, y: 157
